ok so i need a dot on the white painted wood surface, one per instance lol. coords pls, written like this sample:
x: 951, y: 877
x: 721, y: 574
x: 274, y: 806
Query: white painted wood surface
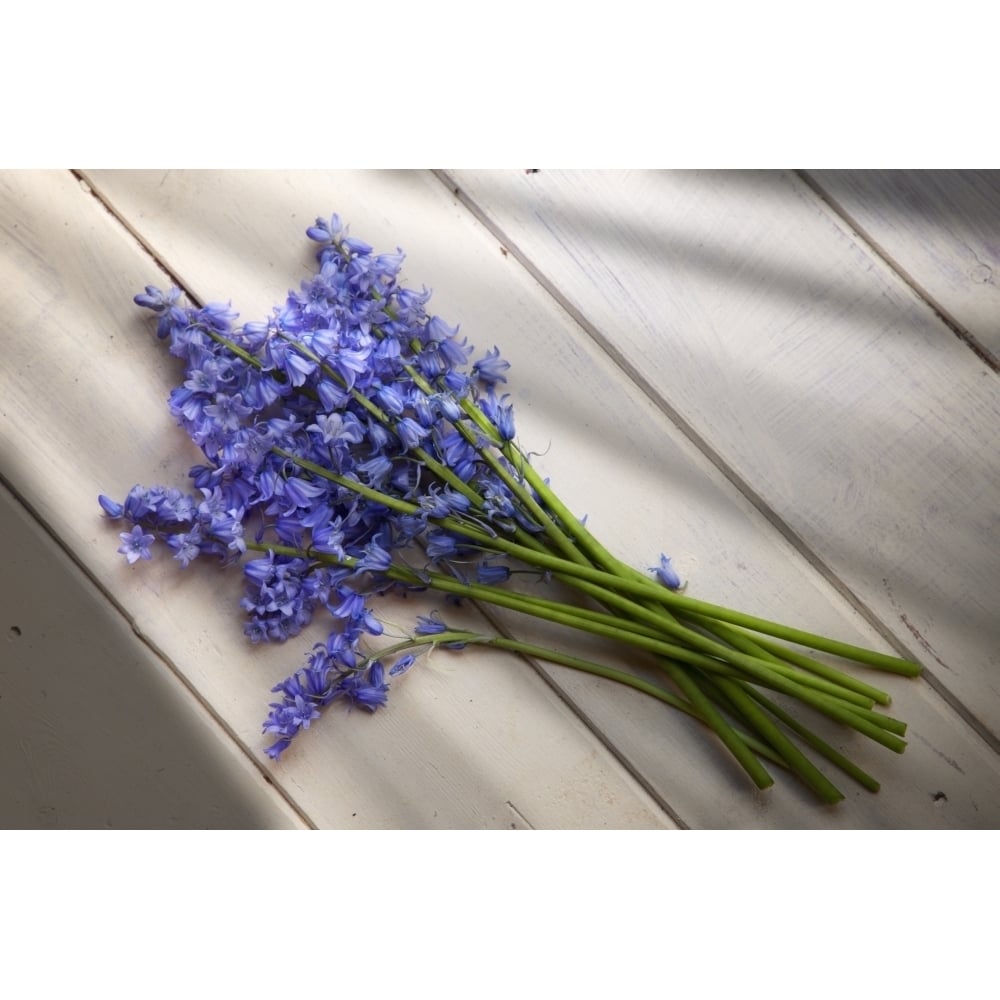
x: 482, y: 740
x: 938, y: 228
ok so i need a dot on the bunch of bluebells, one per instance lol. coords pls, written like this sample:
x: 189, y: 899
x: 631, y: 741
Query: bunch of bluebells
x: 357, y: 444
x: 350, y: 374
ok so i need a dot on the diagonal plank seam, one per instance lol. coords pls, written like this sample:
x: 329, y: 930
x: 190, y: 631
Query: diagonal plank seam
x: 616, y: 752
x: 940, y: 312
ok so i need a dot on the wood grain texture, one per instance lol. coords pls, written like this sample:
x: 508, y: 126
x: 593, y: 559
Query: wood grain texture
x: 808, y: 368
x: 608, y: 448
x: 940, y: 229
x: 82, y: 393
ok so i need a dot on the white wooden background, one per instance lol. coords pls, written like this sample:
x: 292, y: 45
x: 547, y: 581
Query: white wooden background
x: 789, y: 383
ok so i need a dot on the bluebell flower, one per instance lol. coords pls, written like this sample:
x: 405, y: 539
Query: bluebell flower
x: 356, y: 246
x: 411, y: 434
x: 374, y: 559
x: 431, y: 362
x: 352, y: 608
x: 289, y: 717
x: 367, y: 690
x: 294, y: 365
x: 227, y: 411
x: 446, y: 405
x: 401, y: 666
x: 136, y: 505
x: 666, y: 573
x: 207, y: 375
x: 229, y: 530
x: 171, y: 315
x: 276, y: 749
x: 136, y: 544
x: 441, y: 545
x: 341, y: 429
x: 433, y: 625
x: 297, y: 493
x: 326, y: 230
x: 439, y: 331
x: 455, y: 352
x: 218, y: 316
x: 492, y: 574
x: 110, y: 507
x: 410, y: 306
x: 186, y: 545
x: 406, y: 478
x: 422, y: 410
x: 377, y: 470
x: 500, y: 413
x: 490, y: 368
x: 331, y: 395
x: 433, y: 503
x: 390, y: 399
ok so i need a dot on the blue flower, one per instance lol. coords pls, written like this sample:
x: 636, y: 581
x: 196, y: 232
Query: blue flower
x: 500, y: 414
x: 186, y: 546
x: 227, y: 411
x: 171, y: 316
x: 368, y: 690
x: 490, y: 368
x: 410, y: 433
x: 110, y: 507
x: 338, y: 429
x: 375, y: 559
x: 218, y: 316
x: 491, y: 574
x: 441, y: 545
x: 326, y: 230
x: 430, y: 624
x: 666, y: 573
x: 433, y: 625
x: 136, y: 544
x: 402, y: 665
x: 275, y: 750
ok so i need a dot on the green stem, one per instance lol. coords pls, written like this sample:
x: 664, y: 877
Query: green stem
x: 774, y: 652
x: 732, y: 740
x: 821, y: 746
x: 796, y: 759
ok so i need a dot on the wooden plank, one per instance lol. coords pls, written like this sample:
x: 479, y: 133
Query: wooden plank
x: 938, y: 228
x: 81, y: 412
x: 608, y: 449
x: 807, y: 368
x: 95, y: 731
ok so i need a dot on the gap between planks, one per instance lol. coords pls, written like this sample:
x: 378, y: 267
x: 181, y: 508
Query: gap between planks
x: 877, y: 250
x: 592, y: 726
x: 512, y: 248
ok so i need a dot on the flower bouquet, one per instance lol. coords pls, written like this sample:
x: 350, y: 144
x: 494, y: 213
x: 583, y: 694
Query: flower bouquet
x: 355, y: 445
